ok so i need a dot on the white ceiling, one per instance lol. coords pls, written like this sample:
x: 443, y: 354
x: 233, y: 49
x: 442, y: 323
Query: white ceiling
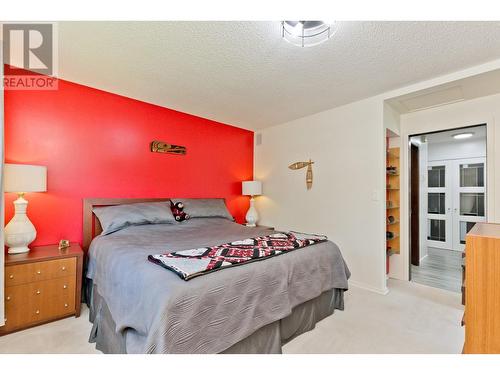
x: 244, y: 74
x: 471, y: 87
x: 479, y: 132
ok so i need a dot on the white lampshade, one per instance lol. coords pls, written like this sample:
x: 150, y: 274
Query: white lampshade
x: 22, y: 178
x: 252, y: 188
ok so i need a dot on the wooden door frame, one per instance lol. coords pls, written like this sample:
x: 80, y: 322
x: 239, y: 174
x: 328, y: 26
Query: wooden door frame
x: 414, y: 206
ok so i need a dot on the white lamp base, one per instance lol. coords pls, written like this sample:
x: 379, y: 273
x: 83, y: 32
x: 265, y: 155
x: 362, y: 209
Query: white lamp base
x: 252, y: 215
x: 18, y: 250
x: 20, y: 232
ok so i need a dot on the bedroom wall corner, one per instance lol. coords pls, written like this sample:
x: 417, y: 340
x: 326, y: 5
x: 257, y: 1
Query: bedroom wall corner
x: 346, y: 201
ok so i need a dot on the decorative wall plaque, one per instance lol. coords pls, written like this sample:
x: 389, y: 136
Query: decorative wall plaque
x: 167, y: 148
x: 309, y: 173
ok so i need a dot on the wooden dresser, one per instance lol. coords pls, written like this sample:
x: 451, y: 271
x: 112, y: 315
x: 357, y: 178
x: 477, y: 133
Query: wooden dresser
x: 41, y: 286
x: 482, y: 289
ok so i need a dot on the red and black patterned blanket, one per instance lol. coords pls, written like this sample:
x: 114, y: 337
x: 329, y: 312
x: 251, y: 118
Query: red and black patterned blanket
x: 196, y: 262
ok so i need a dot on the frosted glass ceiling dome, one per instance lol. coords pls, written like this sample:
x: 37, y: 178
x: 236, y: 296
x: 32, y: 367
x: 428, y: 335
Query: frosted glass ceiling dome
x: 306, y: 33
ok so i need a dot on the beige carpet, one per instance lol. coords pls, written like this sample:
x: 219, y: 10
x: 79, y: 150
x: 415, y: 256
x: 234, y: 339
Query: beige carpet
x: 412, y: 318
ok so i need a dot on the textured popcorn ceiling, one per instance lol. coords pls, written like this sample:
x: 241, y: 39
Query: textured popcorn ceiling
x: 244, y: 74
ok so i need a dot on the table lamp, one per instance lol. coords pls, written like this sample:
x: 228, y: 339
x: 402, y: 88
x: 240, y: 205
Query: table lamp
x: 252, y: 188
x: 20, y: 179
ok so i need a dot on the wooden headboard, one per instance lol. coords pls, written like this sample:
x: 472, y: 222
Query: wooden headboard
x: 92, y: 226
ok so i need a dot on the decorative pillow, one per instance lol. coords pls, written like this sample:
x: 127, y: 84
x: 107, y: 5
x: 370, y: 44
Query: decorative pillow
x: 205, y: 207
x: 114, y: 218
x: 178, y: 211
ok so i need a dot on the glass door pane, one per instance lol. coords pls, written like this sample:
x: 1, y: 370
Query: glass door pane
x: 437, y: 230
x: 436, y: 203
x: 436, y: 176
x: 465, y: 227
x: 472, y: 175
x: 472, y: 204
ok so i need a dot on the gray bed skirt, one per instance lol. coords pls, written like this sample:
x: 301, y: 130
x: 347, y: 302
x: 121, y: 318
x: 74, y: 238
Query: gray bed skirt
x: 266, y: 340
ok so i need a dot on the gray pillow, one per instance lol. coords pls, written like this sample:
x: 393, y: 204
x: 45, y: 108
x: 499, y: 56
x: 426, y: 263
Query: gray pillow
x: 114, y: 218
x: 205, y: 207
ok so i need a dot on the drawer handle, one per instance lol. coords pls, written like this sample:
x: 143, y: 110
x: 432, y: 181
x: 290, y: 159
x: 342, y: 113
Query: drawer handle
x: 8, y: 298
x: 63, y: 268
x: 38, y: 292
x: 65, y: 305
x: 39, y: 272
x: 11, y: 276
x: 37, y: 312
x: 65, y: 286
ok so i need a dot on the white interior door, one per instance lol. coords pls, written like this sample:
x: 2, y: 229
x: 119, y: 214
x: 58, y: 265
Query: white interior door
x: 439, y: 205
x: 469, y: 197
x: 456, y: 200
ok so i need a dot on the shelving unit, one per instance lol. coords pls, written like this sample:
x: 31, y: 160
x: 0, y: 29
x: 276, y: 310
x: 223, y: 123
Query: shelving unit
x: 392, y: 195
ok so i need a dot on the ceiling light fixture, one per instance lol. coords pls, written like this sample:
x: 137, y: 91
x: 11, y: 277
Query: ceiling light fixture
x: 306, y: 33
x: 462, y: 135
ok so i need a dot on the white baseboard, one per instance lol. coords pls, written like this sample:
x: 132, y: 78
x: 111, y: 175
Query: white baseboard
x: 362, y: 285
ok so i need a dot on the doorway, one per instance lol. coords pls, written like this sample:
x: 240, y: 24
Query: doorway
x: 448, y: 196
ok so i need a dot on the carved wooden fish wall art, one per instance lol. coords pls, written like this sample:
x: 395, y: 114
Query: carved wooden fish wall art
x: 309, y: 173
x: 166, y: 148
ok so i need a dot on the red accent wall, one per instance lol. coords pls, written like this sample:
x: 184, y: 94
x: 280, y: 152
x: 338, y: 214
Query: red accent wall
x: 96, y: 144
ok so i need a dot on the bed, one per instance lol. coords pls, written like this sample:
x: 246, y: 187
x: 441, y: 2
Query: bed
x: 139, y: 307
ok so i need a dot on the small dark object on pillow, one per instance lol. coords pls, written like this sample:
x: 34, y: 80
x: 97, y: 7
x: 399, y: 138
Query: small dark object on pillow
x: 178, y: 211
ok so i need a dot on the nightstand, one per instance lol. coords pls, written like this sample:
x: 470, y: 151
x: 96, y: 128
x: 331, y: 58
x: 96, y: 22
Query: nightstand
x: 41, y: 286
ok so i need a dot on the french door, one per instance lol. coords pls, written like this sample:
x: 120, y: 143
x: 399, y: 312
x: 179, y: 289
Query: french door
x: 439, y: 203
x: 469, y: 198
x: 456, y: 196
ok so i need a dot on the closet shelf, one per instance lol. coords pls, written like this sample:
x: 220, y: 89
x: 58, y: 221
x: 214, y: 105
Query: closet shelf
x: 392, y: 202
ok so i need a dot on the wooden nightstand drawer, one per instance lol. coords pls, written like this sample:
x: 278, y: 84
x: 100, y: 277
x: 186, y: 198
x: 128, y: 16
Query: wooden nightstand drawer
x: 41, y: 286
x: 38, y: 271
x: 38, y: 310
x: 21, y: 295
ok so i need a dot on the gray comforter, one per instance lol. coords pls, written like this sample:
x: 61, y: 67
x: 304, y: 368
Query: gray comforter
x: 160, y: 313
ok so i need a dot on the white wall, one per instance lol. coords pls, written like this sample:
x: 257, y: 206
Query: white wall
x: 391, y: 119
x: 347, y: 144
x: 484, y: 110
x: 347, y: 200
x: 470, y: 148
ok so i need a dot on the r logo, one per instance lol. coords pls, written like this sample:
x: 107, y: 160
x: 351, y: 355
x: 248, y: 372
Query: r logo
x: 29, y: 53
x: 29, y: 46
